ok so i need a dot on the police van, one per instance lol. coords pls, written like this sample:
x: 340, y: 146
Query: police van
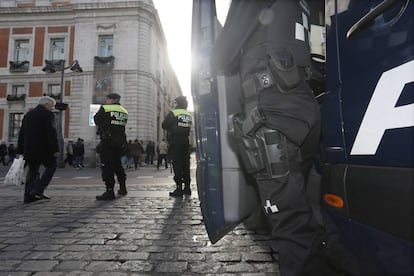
x: 365, y: 52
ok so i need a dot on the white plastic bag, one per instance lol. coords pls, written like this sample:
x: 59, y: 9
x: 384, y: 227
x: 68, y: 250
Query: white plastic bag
x: 16, y: 174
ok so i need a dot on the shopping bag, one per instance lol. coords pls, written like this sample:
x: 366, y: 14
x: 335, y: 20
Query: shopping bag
x: 16, y: 174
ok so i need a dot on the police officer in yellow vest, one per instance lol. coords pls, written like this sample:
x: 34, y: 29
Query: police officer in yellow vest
x: 111, y: 119
x: 178, y: 123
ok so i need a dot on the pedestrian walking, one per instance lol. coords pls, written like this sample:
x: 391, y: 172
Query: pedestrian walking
x: 39, y: 145
x: 111, y: 119
x: 149, y: 153
x: 78, y: 153
x: 69, y: 153
x: 178, y: 123
x: 162, y: 150
x: 3, y: 153
x: 135, y: 150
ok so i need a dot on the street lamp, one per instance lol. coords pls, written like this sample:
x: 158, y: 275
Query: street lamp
x: 51, y: 67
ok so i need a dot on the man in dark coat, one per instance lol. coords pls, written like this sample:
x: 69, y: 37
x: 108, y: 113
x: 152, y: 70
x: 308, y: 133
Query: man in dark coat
x: 39, y: 144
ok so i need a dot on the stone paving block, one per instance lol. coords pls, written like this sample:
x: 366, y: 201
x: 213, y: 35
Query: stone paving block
x: 8, y: 265
x: 63, y: 241
x: 101, y: 266
x: 71, y: 255
x: 101, y: 255
x: 78, y: 273
x: 238, y: 268
x: 114, y: 247
x: 137, y: 266
x: 162, y: 256
x: 153, y: 249
x: 180, y: 249
x: 256, y: 257
x: 13, y: 255
x: 18, y: 247
x: 37, y: 265
x: 70, y: 265
x: 42, y: 255
x: 171, y: 267
x: 16, y: 240
x: 49, y: 274
x: 135, y: 236
x: 8, y: 233
x: 46, y: 247
x: 91, y: 241
x: 205, y: 267
x: 134, y: 256
x: 76, y: 247
x: 226, y: 257
x: 191, y: 257
x: 12, y: 273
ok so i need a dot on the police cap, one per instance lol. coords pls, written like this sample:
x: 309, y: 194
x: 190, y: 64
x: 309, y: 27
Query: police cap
x: 114, y: 96
x: 181, y: 102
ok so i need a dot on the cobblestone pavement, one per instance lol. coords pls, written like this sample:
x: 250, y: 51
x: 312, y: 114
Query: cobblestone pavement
x: 144, y: 233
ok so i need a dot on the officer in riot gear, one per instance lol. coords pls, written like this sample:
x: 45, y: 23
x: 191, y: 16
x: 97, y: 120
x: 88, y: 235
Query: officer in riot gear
x: 178, y: 124
x: 111, y: 119
x: 276, y: 135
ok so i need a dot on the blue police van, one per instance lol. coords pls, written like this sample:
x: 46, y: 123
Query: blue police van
x: 365, y: 51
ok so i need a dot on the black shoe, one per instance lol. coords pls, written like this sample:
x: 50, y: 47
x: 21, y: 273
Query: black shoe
x: 122, y: 192
x: 32, y: 198
x: 108, y: 195
x: 177, y: 193
x: 45, y: 196
x: 187, y: 191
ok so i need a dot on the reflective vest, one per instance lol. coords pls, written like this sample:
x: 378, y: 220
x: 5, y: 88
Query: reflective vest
x: 184, y: 118
x: 118, y: 114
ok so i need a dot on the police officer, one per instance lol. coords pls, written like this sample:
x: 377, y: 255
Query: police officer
x: 178, y: 123
x: 111, y: 119
x: 266, y: 43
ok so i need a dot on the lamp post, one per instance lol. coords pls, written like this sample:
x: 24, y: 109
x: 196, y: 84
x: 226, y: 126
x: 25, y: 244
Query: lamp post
x: 51, y: 67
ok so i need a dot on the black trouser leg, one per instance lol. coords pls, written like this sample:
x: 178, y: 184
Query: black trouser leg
x: 32, y: 176
x: 178, y: 171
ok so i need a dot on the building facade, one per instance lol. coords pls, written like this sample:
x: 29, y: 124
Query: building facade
x: 119, y: 45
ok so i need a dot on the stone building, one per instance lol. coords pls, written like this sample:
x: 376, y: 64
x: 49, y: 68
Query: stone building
x: 120, y: 46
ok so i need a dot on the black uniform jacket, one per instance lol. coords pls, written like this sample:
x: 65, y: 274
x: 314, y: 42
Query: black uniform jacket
x: 178, y: 123
x: 111, y: 120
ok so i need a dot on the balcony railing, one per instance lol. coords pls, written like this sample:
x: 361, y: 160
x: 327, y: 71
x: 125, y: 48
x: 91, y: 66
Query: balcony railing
x: 16, y: 98
x: 19, y: 66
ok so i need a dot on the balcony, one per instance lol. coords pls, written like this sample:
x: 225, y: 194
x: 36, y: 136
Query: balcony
x: 19, y: 66
x: 16, y: 98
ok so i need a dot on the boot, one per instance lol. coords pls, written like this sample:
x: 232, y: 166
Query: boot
x: 187, y: 190
x: 122, y: 190
x: 178, y: 192
x: 108, y: 195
